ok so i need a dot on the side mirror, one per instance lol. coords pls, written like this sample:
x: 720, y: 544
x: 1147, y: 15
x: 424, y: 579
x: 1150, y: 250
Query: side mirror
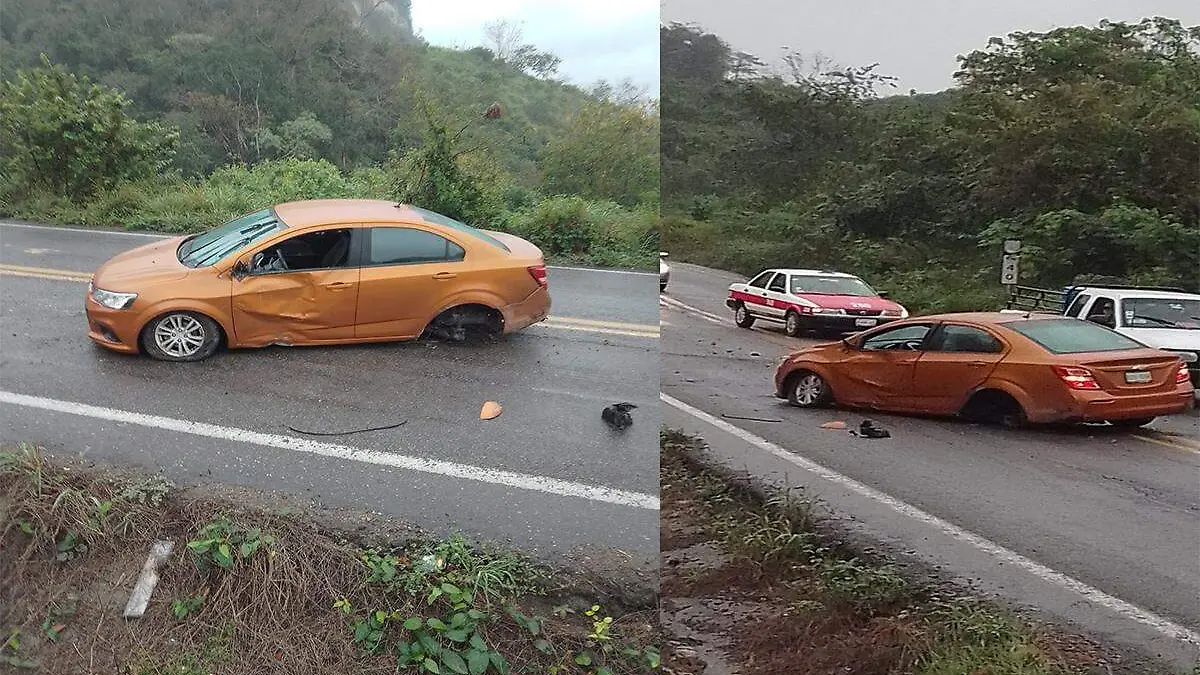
x: 849, y: 342
x: 663, y: 254
x: 240, y: 270
x: 883, y: 294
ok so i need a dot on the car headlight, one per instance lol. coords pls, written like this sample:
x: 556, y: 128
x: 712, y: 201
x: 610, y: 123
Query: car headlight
x: 110, y: 299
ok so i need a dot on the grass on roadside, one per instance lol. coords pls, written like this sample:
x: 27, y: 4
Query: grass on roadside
x: 250, y: 590
x: 816, y: 604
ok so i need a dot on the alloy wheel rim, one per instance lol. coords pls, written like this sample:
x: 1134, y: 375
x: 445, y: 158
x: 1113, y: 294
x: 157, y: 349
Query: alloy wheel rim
x: 741, y: 313
x: 808, y: 389
x: 179, y: 335
x: 791, y: 323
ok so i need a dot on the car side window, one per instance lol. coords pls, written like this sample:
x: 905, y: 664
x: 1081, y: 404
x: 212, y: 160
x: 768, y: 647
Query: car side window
x: 320, y: 250
x: 760, y: 281
x: 408, y: 246
x: 1103, y: 312
x: 778, y: 284
x: 903, y: 338
x: 964, y: 339
x: 1077, y: 306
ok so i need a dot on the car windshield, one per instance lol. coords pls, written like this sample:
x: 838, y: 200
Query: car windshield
x: 829, y: 285
x: 213, y: 246
x: 446, y: 221
x: 1073, y: 336
x: 1161, y: 313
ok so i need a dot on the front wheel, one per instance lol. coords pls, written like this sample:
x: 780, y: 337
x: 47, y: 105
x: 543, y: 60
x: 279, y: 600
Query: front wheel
x: 807, y: 389
x: 181, y: 336
x: 1132, y: 424
x: 792, y: 325
x: 742, y: 316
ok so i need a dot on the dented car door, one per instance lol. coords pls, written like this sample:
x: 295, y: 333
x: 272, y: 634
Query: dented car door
x: 296, y: 306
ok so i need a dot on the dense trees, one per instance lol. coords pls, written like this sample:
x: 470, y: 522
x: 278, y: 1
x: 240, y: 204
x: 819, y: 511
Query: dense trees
x: 177, y: 89
x: 1084, y: 142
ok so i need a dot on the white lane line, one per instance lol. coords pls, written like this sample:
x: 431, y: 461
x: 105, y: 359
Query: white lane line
x: 86, y: 230
x: 167, y: 236
x: 672, y: 303
x: 521, y: 481
x: 1163, y: 626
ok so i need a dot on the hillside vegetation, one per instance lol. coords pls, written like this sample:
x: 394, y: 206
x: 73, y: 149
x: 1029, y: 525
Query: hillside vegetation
x: 1084, y: 142
x: 176, y: 115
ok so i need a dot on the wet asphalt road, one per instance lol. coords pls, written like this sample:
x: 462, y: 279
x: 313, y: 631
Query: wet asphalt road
x: 1118, y: 511
x: 552, y: 382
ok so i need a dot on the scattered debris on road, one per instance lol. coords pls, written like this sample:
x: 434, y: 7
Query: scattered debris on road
x: 869, y: 429
x: 617, y: 415
x: 752, y: 419
x: 345, y: 433
x: 491, y: 410
x: 836, y: 424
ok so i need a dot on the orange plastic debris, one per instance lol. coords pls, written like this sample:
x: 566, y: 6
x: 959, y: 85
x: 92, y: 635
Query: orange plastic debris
x: 834, y: 425
x: 491, y: 410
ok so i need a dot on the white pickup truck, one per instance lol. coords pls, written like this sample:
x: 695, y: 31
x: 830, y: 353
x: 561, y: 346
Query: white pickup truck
x: 1163, y: 318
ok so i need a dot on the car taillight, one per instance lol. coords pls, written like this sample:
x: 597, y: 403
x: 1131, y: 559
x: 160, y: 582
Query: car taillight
x: 538, y: 272
x: 1182, y: 375
x: 1076, y: 378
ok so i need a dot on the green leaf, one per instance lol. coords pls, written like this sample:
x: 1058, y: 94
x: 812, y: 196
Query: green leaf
x: 451, y: 589
x: 457, y: 634
x: 361, y: 630
x: 223, y: 557
x: 435, y: 623
x: 454, y: 662
x: 248, y: 548
x: 431, y: 666
x: 583, y: 659
x: 478, y: 643
x: 458, y: 620
x: 475, y: 614
x: 542, y: 646
x: 414, y: 623
x: 477, y: 662
x: 499, y: 662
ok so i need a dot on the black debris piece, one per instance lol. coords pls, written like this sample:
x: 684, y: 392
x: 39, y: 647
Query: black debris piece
x: 344, y: 433
x: 617, y: 415
x: 869, y: 429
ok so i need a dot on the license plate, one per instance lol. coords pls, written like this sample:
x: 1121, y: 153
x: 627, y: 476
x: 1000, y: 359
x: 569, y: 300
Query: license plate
x: 865, y: 323
x: 1137, y: 377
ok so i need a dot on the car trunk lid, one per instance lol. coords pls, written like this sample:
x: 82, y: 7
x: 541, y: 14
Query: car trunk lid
x: 1133, y: 372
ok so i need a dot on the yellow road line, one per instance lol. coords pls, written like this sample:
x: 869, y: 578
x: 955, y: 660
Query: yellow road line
x: 610, y: 325
x: 549, y: 323
x: 1168, y: 444
x: 43, y: 273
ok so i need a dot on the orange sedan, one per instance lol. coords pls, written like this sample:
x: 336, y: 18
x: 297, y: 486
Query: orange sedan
x: 316, y: 272
x: 1009, y: 368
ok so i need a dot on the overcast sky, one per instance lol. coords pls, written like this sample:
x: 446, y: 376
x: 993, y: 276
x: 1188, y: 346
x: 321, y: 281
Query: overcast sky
x: 914, y: 40
x: 596, y: 39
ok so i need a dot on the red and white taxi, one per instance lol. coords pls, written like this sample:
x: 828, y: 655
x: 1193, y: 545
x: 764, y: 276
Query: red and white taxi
x: 811, y: 300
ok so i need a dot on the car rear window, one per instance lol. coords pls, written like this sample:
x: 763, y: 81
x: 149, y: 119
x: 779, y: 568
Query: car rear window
x: 446, y: 221
x: 1073, y: 336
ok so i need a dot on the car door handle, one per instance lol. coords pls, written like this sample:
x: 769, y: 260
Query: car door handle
x: 445, y: 275
x: 977, y: 364
x: 338, y: 285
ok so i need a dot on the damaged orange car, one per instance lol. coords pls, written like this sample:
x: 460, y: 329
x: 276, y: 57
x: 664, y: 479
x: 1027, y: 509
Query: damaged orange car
x: 1009, y: 368
x: 316, y: 272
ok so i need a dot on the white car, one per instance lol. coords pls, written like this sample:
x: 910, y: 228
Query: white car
x: 1167, y: 319
x: 811, y: 300
x: 664, y: 271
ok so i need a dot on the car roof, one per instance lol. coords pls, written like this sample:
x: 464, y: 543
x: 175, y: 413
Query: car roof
x: 1122, y: 293
x: 1001, y: 317
x: 809, y: 273
x: 310, y: 212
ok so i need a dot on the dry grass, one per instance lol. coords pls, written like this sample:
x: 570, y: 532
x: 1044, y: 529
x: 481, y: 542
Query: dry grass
x: 267, y: 607
x: 788, y: 596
